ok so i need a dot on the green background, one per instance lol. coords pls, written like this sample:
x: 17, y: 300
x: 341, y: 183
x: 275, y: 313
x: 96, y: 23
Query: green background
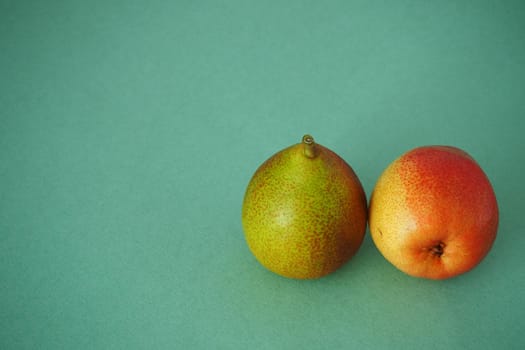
x: 129, y: 131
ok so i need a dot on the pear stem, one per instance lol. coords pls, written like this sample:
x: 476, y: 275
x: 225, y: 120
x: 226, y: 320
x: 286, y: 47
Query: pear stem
x: 310, y: 150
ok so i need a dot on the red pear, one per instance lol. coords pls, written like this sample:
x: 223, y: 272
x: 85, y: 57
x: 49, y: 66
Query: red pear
x: 433, y: 213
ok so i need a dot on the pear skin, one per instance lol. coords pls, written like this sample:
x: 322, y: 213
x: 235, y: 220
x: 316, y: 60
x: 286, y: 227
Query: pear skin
x: 433, y: 213
x: 304, y: 212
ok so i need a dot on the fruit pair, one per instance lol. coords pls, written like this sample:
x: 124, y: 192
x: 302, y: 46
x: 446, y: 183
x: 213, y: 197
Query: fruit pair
x: 432, y: 214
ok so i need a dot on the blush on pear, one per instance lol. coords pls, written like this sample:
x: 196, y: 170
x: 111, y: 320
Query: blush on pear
x: 433, y: 213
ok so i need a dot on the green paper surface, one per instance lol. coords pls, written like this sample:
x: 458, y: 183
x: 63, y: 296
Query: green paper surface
x: 129, y: 131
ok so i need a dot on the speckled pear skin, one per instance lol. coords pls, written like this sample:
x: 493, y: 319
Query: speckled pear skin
x: 433, y: 213
x: 304, y: 212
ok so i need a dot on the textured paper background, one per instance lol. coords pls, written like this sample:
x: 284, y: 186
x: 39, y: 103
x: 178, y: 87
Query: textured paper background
x: 129, y: 131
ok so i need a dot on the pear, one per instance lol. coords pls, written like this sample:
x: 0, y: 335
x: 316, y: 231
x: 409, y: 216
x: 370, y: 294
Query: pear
x: 434, y: 213
x: 304, y: 212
